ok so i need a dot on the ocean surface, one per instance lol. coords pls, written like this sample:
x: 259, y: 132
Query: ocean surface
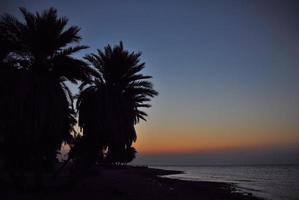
x: 279, y: 182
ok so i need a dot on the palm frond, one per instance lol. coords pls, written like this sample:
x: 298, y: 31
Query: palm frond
x: 71, y: 50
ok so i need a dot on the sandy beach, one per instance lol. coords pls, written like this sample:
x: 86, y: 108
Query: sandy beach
x: 129, y: 183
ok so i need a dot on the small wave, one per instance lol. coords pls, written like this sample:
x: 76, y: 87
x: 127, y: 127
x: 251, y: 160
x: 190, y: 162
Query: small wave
x: 243, y: 180
x: 249, y: 189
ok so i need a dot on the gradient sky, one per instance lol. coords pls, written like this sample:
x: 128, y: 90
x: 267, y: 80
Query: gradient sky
x: 227, y: 73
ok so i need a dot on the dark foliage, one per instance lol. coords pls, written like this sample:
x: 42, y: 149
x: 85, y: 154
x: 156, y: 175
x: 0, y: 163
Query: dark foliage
x: 111, y: 104
x: 36, y: 108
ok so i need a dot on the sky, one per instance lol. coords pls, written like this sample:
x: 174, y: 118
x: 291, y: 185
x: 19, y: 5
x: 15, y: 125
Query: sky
x: 227, y: 73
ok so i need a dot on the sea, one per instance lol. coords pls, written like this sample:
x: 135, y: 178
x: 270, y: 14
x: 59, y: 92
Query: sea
x: 276, y: 182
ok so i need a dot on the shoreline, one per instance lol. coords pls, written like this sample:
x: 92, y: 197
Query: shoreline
x: 223, y: 190
x: 135, y: 183
x: 235, y: 186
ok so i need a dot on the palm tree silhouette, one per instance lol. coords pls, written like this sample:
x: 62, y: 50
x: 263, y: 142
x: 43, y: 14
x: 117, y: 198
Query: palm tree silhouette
x: 111, y: 104
x: 37, y: 112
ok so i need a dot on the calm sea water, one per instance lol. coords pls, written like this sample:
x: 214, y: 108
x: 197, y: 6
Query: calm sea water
x: 270, y: 182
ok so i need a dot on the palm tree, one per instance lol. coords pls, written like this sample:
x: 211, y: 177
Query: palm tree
x: 37, y: 113
x: 111, y: 104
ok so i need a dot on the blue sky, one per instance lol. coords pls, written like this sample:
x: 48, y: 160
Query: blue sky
x: 225, y: 70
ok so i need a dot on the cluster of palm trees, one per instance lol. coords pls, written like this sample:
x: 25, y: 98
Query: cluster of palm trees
x: 37, y: 109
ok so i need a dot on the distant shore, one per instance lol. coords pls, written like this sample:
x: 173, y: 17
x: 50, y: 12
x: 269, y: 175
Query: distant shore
x: 133, y: 183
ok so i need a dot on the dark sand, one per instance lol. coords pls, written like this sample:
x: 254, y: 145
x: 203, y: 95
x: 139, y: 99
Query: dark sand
x: 130, y: 183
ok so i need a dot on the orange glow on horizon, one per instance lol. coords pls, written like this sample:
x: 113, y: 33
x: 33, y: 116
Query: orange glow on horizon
x: 169, y: 141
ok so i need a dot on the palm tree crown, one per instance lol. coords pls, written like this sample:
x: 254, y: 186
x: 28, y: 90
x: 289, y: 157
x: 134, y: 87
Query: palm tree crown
x: 112, y: 103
